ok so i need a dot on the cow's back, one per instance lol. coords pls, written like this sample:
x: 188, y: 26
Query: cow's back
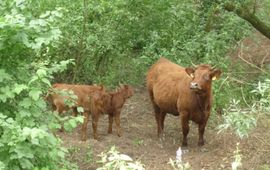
x: 165, y: 80
x: 162, y: 67
x: 83, y: 92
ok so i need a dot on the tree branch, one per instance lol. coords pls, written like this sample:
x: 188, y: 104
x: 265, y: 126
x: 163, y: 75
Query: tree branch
x: 244, y: 13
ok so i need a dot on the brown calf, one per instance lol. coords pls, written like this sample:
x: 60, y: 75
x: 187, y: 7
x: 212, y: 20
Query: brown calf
x: 174, y: 89
x: 83, y: 93
x: 111, y: 104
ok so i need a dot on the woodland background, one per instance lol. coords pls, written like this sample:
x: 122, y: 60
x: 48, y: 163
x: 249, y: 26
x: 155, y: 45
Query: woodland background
x: 112, y: 42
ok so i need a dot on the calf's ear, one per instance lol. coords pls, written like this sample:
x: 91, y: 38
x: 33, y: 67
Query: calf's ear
x: 190, y: 71
x: 215, y: 74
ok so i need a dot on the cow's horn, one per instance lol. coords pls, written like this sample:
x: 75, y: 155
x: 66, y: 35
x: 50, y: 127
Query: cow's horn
x: 194, y: 65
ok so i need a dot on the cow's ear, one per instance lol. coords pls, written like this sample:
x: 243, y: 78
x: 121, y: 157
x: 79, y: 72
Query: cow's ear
x: 216, y: 74
x: 190, y: 71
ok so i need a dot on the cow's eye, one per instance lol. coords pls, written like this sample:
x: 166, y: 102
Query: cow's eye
x: 206, y: 77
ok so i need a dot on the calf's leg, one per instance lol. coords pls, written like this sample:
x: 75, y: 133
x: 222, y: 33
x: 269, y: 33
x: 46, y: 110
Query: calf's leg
x: 110, y: 124
x: 95, y: 118
x: 59, y: 108
x: 84, y: 126
x: 117, y: 122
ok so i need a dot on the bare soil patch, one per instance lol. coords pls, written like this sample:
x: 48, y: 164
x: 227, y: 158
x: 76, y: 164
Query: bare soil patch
x: 140, y: 141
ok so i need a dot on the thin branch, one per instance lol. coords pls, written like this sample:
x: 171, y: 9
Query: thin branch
x: 264, y: 58
x: 249, y: 63
x: 223, y: 83
x: 244, y: 99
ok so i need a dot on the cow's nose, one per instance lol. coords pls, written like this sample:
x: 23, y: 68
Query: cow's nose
x: 194, y: 85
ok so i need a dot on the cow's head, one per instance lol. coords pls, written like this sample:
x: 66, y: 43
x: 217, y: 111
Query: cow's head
x: 202, y: 77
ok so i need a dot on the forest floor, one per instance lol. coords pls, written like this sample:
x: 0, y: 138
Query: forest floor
x: 140, y: 141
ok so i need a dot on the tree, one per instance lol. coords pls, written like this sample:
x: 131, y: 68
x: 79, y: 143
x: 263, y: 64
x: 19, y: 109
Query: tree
x: 247, y: 11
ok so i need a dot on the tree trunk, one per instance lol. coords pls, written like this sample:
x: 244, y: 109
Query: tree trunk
x: 81, y: 47
x: 244, y: 13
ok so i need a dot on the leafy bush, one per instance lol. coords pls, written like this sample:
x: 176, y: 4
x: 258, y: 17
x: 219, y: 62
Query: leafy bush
x: 240, y: 120
x: 243, y: 120
x: 26, y: 126
x: 262, y: 92
x: 114, y: 160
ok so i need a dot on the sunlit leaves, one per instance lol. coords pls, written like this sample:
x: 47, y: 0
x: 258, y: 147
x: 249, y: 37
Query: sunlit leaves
x: 4, y: 75
x: 72, y: 123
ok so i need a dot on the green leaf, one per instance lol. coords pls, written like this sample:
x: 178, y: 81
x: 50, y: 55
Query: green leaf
x: 80, y: 109
x: 18, y: 88
x: 35, y: 93
x: 41, y: 73
x: 4, y: 75
x: 26, y: 164
x: 46, y: 81
x: 26, y: 103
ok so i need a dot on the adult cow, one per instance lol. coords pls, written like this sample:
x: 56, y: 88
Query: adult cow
x: 181, y: 91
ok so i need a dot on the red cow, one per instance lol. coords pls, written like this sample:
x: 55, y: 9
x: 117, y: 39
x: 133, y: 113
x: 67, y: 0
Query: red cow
x: 111, y: 104
x: 181, y: 91
x: 83, y: 92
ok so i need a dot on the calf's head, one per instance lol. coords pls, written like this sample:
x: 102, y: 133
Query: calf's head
x: 202, y: 77
x: 128, y: 90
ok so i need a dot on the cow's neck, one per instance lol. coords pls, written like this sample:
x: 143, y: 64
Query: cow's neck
x: 203, y: 100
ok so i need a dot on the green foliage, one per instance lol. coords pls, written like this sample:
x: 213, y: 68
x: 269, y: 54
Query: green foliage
x: 114, y: 160
x: 117, y: 41
x: 26, y: 126
x: 138, y: 141
x: 262, y: 92
x: 240, y: 120
x: 243, y: 120
x: 89, y: 154
x: 26, y: 140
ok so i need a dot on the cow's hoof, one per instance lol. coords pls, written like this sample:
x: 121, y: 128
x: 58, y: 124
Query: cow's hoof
x: 184, y: 145
x: 161, y: 137
x: 119, y: 134
x: 200, y: 143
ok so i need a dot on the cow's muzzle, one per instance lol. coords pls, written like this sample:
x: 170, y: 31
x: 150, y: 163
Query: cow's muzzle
x: 195, y: 86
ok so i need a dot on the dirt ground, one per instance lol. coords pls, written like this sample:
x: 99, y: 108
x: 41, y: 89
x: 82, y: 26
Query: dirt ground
x: 140, y: 141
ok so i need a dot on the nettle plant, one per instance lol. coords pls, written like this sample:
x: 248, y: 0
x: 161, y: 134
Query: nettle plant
x: 26, y: 123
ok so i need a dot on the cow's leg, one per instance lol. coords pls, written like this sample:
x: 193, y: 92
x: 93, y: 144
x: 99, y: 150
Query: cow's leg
x: 110, y: 124
x: 162, y: 119
x: 157, y: 114
x: 201, y: 132
x: 185, y: 127
x: 158, y: 117
x: 60, y: 109
x: 202, y: 128
x: 117, y: 122
x: 84, y: 126
x: 95, y: 118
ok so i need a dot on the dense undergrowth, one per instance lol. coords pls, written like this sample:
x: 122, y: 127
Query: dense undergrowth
x: 110, y: 42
